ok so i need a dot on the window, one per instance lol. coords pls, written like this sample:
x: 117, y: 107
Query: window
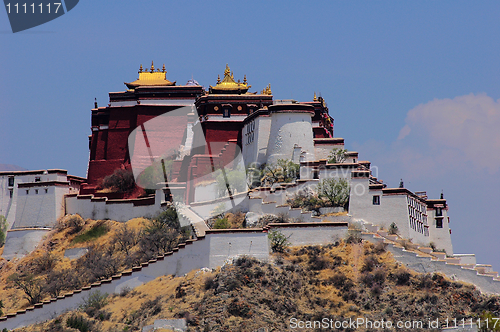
x: 38, y: 179
x: 36, y: 191
x: 439, y: 212
x: 439, y: 223
x: 376, y: 200
x: 227, y: 113
x: 46, y: 190
x: 11, y: 181
x: 27, y: 192
x: 11, y: 193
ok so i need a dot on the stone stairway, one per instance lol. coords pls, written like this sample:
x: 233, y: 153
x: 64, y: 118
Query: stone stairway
x: 424, y: 259
x: 188, y: 216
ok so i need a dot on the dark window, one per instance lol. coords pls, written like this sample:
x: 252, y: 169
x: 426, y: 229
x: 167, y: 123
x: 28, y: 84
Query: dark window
x: 439, y: 223
x: 36, y: 191
x: 11, y: 181
x: 37, y: 179
x: 439, y: 212
x: 27, y: 192
x: 46, y: 190
x: 376, y: 200
x: 227, y: 113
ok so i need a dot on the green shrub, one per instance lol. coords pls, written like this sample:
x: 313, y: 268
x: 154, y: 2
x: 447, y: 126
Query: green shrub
x: 222, y: 223
x: 393, y: 229
x: 279, y: 242
x: 306, y: 201
x: 93, y: 303
x: 79, y: 322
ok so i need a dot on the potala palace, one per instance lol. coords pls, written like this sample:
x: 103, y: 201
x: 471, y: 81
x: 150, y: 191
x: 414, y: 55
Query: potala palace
x: 178, y: 140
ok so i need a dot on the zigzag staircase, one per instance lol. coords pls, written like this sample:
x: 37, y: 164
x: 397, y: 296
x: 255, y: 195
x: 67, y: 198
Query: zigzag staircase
x: 424, y: 259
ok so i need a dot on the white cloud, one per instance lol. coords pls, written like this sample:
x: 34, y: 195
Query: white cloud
x: 446, y: 133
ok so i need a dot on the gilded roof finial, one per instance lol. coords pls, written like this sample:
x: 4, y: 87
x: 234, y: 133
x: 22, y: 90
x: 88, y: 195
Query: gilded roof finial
x: 315, y: 98
x: 163, y: 69
x: 218, y: 79
x: 245, y: 79
x: 140, y: 68
x: 227, y: 71
x: 152, y: 67
x: 232, y: 75
x: 267, y: 90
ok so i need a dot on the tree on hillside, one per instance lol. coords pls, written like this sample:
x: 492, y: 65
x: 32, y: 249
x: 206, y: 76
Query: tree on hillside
x: 283, y: 171
x: 29, y: 284
x: 337, y: 156
x: 335, y: 191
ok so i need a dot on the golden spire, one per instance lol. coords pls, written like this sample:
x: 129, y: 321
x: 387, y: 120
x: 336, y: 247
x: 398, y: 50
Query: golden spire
x: 152, y: 67
x: 245, y: 79
x: 267, y: 90
x: 163, y: 70
x: 140, y: 68
x: 228, y: 84
x: 315, y: 98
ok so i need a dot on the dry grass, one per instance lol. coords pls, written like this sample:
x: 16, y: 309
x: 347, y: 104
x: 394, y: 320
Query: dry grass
x: 55, y: 242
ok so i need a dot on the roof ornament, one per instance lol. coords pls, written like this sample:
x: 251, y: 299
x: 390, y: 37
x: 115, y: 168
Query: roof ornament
x: 228, y: 85
x: 442, y: 195
x: 267, y: 90
x: 315, y: 98
x: 151, y: 77
x: 401, y: 184
x: 245, y: 79
x: 95, y: 106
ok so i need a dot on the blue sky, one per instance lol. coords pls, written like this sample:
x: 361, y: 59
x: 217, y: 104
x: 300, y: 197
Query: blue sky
x: 413, y: 86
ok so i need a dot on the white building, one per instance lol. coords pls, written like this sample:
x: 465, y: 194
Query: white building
x: 32, y: 200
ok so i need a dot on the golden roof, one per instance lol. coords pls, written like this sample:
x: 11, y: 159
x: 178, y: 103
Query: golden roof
x: 229, y: 85
x: 150, y: 77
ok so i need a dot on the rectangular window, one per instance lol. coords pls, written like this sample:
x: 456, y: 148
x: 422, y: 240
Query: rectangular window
x: 11, y: 181
x: 38, y: 179
x: 27, y: 192
x: 376, y: 200
x: 226, y: 113
x: 439, y: 223
x: 46, y: 190
x: 439, y: 212
x: 36, y: 191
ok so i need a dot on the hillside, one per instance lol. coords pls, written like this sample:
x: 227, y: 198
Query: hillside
x: 337, y: 281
